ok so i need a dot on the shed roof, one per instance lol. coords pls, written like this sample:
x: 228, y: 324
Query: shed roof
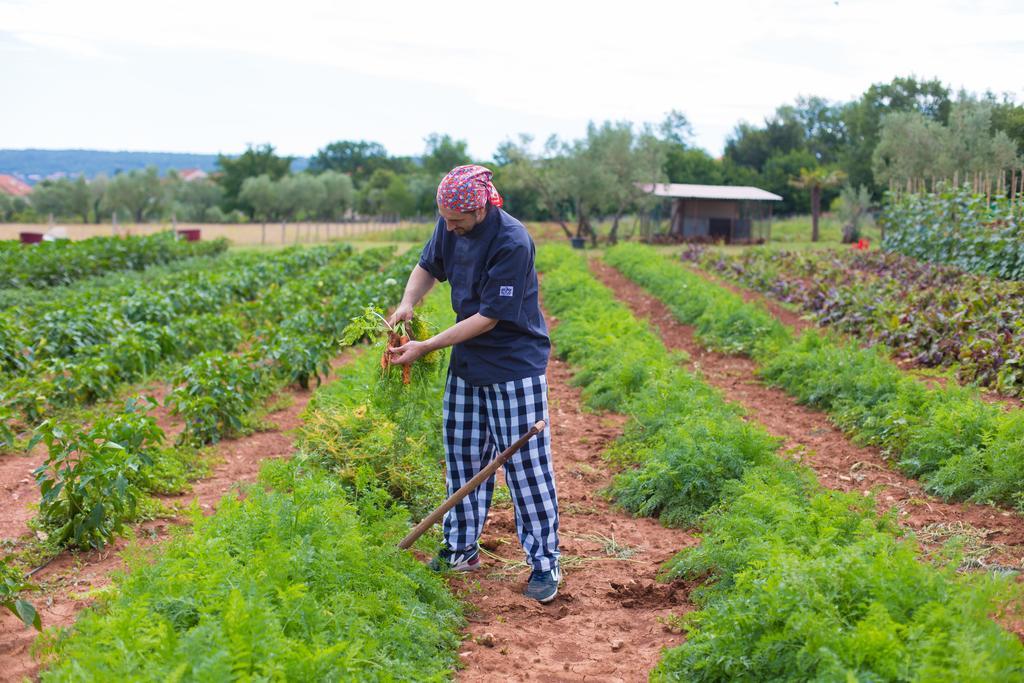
x: 735, y: 192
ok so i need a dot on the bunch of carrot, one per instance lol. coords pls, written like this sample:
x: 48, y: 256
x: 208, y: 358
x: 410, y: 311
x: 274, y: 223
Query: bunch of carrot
x: 374, y: 326
x: 396, y: 337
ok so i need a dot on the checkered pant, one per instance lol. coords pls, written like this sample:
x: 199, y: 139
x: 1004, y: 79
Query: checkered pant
x: 479, y: 423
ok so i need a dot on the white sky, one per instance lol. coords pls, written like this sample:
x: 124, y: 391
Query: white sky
x: 211, y: 76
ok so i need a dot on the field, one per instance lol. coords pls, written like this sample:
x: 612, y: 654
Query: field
x: 243, y: 234
x: 772, y: 464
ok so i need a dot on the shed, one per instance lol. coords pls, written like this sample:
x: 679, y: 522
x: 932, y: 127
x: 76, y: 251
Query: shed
x: 717, y: 213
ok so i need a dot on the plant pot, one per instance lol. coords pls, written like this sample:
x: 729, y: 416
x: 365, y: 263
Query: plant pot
x: 30, y: 237
x: 578, y: 242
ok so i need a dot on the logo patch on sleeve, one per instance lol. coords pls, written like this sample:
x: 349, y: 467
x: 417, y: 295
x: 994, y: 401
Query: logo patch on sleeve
x: 505, y: 291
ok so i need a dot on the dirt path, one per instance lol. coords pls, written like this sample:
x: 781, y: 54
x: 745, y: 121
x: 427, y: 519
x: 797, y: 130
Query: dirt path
x: 809, y: 436
x: 604, y: 625
x: 797, y: 322
x: 69, y: 582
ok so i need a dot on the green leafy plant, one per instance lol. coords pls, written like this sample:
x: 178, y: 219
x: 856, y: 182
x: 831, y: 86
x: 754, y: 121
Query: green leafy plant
x: 797, y: 583
x: 214, y: 393
x: 12, y: 583
x: 86, y: 486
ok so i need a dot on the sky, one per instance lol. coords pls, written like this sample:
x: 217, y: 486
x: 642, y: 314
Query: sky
x: 213, y: 76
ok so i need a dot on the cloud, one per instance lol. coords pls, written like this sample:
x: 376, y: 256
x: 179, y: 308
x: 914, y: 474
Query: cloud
x: 544, y: 61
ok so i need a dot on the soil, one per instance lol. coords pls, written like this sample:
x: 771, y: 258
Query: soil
x: 69, y: 582
x: 799, y: 323
x: 604, y: 625
x: 810, y: 438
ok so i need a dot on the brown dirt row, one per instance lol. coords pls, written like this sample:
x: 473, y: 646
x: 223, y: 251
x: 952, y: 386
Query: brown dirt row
x: 996, y: 536
x: 70, y: 581
x: 799, y: 323
x: 604, y: 625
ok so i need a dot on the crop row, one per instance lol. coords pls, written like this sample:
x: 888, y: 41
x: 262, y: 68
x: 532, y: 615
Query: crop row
x: 974, y: 232
x: 85, y: 347
x: 92, y: 481
x: 936, y: 315
x: 798, y: 582
x: 300, y: 579
x: 960, y: 446
x: 61, y: 262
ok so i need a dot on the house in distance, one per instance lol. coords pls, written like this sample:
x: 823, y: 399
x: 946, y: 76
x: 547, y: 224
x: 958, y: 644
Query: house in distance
x: 716, y: 213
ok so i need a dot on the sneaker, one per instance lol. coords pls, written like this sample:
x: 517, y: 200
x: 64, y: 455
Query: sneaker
x: 447, y: 560
x: 543, y: 586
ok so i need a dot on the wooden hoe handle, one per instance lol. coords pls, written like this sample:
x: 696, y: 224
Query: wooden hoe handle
x: 481, y: 476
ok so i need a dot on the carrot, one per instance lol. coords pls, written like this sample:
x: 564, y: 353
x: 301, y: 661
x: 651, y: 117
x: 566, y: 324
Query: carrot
x: 407, y: 368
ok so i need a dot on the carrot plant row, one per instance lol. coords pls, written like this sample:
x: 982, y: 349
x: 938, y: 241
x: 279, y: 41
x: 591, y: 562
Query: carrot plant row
x: 797, y: 582
x: 960, y: 446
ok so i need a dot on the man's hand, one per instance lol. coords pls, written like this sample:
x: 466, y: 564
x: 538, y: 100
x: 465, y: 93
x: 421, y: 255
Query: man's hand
x: 408, y: 352
x: 403, y: 312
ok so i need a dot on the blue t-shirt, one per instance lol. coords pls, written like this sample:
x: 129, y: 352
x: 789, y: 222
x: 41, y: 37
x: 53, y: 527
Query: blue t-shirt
x: 491, y: 272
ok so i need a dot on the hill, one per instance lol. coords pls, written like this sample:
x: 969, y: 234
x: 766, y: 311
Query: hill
x: 33, y: 165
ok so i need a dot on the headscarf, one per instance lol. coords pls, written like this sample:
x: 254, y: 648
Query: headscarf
x: 467, y: 188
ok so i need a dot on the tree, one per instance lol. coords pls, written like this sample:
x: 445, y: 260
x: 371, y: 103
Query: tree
x: 776, y: 176
x: 913, y: 146
x: 972, y: 145
x: 676, y: 129
x: 1008, y: 117
x: 910, y: 145
x: 358, y: 158
x: 443, y: 154
x: 625, y: 161
x: 816, y: 180
x: 339, y: 195
x: 253, y: 162
x: 137, y: 192
x: 852, y: 206
x: 6, y: 207
x: 261, y: 195
x: 191, y: 200
x: 52, y: 197
x: 692, y: 165
x: 97, y: 191
x: 535, y: 179
x: 863, y: 119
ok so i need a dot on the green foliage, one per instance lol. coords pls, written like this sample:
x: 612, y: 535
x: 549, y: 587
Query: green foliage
x: 300, y: 578
x: 800, y: 583
x: 960, y: 446
x: 811, y: 585
x: 957, y: 444
x: 958, y: 227
x: 89, y: 482
x: 81, y: 343
x: 214, y: 393
x: 687, y: 441
x: 303, y: 582
x: 369, y: 426
x: 721, y: 319
x: 61, y: 262
x: 137, y: 193
x: 12, y: 582
x: 255, y: 161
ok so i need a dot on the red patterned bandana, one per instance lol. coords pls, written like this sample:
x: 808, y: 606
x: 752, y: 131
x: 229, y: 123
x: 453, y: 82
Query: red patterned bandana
x: 467, y: 188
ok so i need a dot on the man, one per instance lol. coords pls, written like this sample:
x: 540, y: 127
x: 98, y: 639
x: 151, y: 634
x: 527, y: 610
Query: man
x: 496, y: 388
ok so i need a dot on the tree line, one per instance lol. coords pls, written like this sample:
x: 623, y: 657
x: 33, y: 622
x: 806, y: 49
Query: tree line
x: 807, y: 151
